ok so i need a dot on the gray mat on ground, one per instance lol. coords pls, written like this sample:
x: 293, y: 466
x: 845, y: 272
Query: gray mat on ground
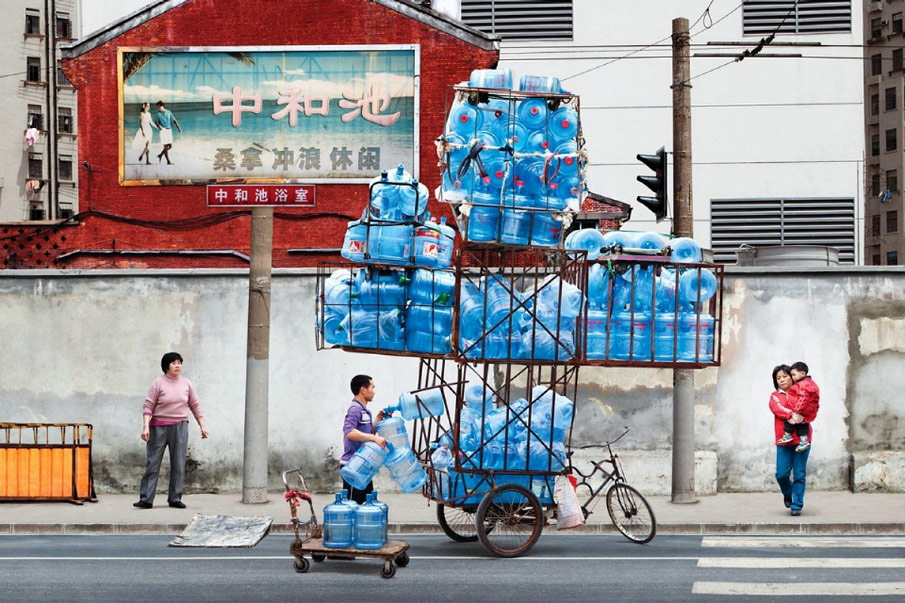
x: 223, y: 531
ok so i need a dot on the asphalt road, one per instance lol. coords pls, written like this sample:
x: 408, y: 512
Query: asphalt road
x: 560, y: 567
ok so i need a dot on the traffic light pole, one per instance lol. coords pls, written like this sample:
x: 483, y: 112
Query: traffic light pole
x: 682, y: 226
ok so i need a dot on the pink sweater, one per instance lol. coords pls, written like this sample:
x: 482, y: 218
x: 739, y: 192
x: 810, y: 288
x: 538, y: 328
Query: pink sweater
x: 169, y: 401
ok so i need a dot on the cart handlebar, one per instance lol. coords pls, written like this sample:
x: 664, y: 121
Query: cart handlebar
x: 611, y: 442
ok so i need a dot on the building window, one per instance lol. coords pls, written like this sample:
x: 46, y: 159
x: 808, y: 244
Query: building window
x: 35, y: 117
x: 892, y: 258
x: 35, y: 165
x: 65, y: 119
x: 890, y: 99
x: 66, y: 212
x: 828, y: 221
x: 897, y: 59
x: 35, y: 212
x: 897, y: 23
x: 875, y: 225
x: 891, y: 140
x: 64, y: 26
x: 892, y: 221
x: 874, y: 104
x: 876, y: 260
x: 874, y: 144
x: 763, y: 17
x: 875, y: 185
x: 876, y: 28
x: 876, y: 64
x: 892, y: 180
x: 65, y: 168
x: 539, y: 19
x: 33, y: 69
x: 32, y: 22
x: 62, y: 80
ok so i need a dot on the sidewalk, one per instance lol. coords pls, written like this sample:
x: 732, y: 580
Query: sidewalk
x: 752, y: 513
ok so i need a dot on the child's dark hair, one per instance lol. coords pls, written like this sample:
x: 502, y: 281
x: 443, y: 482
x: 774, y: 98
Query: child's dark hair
x: 169, y: 358
x: 782, y: 367
x: 800, y: 366
x: 358, y: 382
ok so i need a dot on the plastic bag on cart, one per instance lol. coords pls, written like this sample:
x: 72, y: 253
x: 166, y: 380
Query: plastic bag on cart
x: 568, y: 511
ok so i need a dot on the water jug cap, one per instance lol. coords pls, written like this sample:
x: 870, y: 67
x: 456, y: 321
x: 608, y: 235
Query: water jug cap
x: 534, y: 110
x: 384, y: 175
x: 414, y: 181
x: 339, y: 497
x: 344, y: 495
x: 400, y: 169
x: 443, y: 220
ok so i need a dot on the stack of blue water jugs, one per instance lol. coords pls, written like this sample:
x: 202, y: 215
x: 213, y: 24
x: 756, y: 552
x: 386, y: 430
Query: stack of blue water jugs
x: 676, y: 319
x: 396, y: 228
x: 347, y: 524
x: 514, y: 160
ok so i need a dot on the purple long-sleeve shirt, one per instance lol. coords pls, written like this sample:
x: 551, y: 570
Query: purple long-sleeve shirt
x: 357, y: 417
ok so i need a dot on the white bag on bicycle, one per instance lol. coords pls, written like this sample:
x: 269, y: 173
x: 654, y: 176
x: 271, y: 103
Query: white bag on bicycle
x: 568, y: 511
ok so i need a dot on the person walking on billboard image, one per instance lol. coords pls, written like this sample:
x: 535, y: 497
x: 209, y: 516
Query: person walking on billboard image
x: 165, y: 120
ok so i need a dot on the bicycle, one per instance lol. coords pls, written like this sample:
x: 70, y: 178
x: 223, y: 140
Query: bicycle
x: 628, y: 509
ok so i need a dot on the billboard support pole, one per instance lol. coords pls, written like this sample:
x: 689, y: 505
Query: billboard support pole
x: 257, y: 367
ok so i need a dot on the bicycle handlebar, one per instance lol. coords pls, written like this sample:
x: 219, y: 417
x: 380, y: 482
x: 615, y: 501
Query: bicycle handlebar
x: 611, y: 442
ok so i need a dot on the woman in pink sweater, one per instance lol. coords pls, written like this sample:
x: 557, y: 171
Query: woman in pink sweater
x: 166, y: 425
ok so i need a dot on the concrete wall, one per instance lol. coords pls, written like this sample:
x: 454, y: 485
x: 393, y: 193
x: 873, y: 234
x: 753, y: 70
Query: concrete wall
x: 86, y: 346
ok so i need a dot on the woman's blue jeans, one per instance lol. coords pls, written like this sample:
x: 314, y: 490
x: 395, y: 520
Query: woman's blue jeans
x: 789, y: 462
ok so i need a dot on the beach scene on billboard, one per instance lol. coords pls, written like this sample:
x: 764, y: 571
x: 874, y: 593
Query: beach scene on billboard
x: 196, y: 117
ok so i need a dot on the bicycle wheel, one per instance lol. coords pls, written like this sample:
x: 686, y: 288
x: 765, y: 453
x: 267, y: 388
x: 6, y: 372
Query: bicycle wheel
x: 510, y: 520
x: 458, y: 522
x: 631, y: 513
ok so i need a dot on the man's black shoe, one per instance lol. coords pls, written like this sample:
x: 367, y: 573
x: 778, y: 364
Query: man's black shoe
x: 796, y: 512
x: 787, y: 500
x: 142, y: 505
x: 177, y: 504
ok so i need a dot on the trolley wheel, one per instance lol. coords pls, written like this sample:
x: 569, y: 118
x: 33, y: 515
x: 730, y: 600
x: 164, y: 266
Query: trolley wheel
x: 388, y: 570
x: 402, y: 559
x: 318, y: 558
x: 301, y: 565
x: 510, y: 520
x: 457, y: 522
x: 631, y: 513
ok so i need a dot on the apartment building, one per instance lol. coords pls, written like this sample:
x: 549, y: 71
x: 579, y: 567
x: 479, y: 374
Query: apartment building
x: 39, y: 151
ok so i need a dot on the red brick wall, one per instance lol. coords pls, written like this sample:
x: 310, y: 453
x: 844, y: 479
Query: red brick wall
x: 445, y: 60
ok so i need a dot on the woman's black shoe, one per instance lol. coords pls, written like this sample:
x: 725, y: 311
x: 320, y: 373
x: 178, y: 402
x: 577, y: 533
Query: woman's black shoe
x: 142, y: 505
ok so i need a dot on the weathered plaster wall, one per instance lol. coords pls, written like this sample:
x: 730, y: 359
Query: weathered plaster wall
x: 85, y: 347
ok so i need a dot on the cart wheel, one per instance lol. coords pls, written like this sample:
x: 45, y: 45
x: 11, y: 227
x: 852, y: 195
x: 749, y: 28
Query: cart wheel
x: 301, y: 565
x: 458, y: 522
x: 631, y: 513
x: 318, y: 558
x: 403, y: 559
x: 509, y: 520
x: 388, y: 570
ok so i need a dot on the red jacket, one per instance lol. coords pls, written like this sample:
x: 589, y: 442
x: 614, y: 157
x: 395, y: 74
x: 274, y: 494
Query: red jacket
x: 804, y: 397
x: 780, y: 406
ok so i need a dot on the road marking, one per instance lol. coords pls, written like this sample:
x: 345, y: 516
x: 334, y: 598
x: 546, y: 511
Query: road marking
x: 850, y: 542
x: 285, y: 557
x: 796, y: 589
x: 793, y: 562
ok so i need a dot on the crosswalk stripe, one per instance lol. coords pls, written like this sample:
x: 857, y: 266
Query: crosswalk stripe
x: 795, y: 562
x: 860, y: 542
x: 796, y: 589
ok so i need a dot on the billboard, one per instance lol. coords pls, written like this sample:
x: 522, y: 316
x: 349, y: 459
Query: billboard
x: 263, y: 114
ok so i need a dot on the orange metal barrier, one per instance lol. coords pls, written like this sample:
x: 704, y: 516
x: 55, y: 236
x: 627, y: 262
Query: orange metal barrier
x: 46, y: 461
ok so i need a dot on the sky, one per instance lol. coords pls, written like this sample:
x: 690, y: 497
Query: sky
x: 96, y: 14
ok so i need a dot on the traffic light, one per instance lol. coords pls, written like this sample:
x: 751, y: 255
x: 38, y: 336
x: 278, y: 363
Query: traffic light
x: 656, y: 183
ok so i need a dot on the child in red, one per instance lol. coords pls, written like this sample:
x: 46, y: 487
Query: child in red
x: 804, y: 398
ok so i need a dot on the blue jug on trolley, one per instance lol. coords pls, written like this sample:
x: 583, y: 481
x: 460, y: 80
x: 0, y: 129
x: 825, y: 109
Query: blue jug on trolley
x: 370, y: 525
x: 339, y: 523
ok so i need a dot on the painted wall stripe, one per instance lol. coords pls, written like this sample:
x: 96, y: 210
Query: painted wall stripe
x: 846, y: 589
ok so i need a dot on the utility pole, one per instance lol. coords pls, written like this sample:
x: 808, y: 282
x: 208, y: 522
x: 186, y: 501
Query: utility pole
x: 683, y: 444
x: 257, y: 367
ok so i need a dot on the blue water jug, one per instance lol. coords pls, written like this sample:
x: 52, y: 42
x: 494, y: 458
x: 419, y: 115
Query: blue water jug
x: 432, y: 287
x: 426, y: 342
x: 333, y: 327
x: 471, y: 311
x: 516, y: 227
x: 696, y: 333
x: 666, y: 290
x: 370, y: 526
x: 383, y: 289
x: 432, y: 404
x: 361, y: 468
x: 465, y: 120
x: 587, y: 239
x: 546, y: 231
x: 685, y: 251
x: 441, y: 460
x: 567, y: 159
x: 405, y: 469
x: 640, y: 282
x: 501, y: 79
x: 470, y: 421
x: 429, y: 319
x: 390, y: 243
x: 548, y: 346
x: 427, y: 244
x: 447, y: 244
x: 665, y: 336
x: 498, y: 170
x: 533, y: 113
x: 361, y: 325
x: 634, y: 329
x: 348, y: 501
x: 484, y: 217
x: 355, y: 243
x: 542, y: 457
x: 596, y: 330
x: 393, y: 429
x: 386, y: 513
x: 497, y: 111
x: 413, y: 200
x: 648, y: 240
x: 561, y: 296
x: 696, y: 286
x: 618, y: 238
x: 540, y: 83
x: 538, y: 142
x: 479, y: 397
x: 599, y: 280
x: 339, y: 524
x: 564, y: 125
x: 390, y: 332
x: 498, y: 297
x: 513, y: 133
